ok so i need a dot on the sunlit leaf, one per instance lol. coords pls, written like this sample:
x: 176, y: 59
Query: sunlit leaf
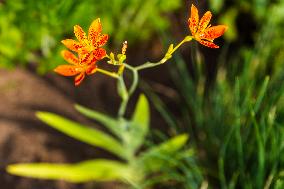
x: 216, y: 5
x: 229, y: 18
x: 109, y: 122
x: 83, y: 133
x: 159, y: 156
x: 139, y: 124
x: 99, y: 170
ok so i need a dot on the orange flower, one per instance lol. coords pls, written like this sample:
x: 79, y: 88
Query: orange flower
x: 201, y: 31
x: 77, y: 66
x: 92, y: 43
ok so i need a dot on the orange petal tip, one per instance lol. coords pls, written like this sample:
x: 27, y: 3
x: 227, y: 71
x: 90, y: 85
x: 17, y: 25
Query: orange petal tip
x: 63, y: 41
x: 76, y: 26
x: 226, y: 28
x: 192, y: 6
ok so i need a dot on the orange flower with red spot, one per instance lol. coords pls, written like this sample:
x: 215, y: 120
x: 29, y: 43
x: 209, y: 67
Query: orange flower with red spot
x: 202, y: 31
x: 89, y: 52
x: 91, y: 43
x: 77, y: 66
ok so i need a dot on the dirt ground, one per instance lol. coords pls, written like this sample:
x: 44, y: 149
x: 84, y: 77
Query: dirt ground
x: 23, y: 138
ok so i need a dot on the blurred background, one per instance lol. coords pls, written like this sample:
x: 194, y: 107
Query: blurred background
x: 229, y: 100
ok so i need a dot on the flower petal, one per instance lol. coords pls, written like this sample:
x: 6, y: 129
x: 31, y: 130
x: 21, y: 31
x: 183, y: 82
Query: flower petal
x: 79, y: 33
x: 88, y: 58
x: 99, y: 53
x: 68, y: 70
x: 70, y: 57
x: 100, y: 41
x: 72, y: 44
x: 94, y: 30
x: 204, y: 21
x: 193, y: 19
x: 208, y: 44
x: 91, y: 69
x: 213, y: 32
x: 79, y: 78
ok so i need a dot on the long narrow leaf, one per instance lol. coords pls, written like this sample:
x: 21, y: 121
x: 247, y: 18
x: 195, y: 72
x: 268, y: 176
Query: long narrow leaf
x: 261, y: 95
x: 83, y: 133
x: 109, y: 122
x: 99, y: 170
x: 139, y: 124
x: 159, y: 156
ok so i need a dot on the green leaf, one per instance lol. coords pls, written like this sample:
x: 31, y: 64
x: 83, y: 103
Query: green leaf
x: 109, y: 122
x: 261, y: 94
x: 139, y: 124
x: 229, y: 18
x: 160, y: 156
x: 82, y: 133
x: 99, y: 170
x: 216, y: 5
x: 279, y: 184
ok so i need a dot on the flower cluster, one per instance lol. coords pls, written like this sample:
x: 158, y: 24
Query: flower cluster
x: 88, y: 49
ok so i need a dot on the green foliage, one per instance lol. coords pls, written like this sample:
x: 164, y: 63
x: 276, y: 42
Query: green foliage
x: 131, y: 136
x: 107, y: 121
x: 139, y: 125
x: 31, y: 31
x: 160, y: 156
x: 99, y: 169
x: 250, y: 12
x: 83, y: 133
x: 236, y: 117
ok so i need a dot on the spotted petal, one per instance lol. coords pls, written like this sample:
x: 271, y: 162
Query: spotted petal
x: 95, y: 30
x: 68, y: 70
x: 193, y: 20
x: 72, y: 45
x: 213, y: 32
x: 79, y: 78
x: 208, y: 44
x: 100, y: 41
x: 99, y: 53
x: 204, y: 21
x: 79, y: 33
x: 88, y: 58
x: 70, y: 57
x: 91, y: 69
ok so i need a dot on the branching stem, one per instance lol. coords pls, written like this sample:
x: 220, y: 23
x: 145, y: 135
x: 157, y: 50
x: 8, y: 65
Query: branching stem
x: 127, y: 93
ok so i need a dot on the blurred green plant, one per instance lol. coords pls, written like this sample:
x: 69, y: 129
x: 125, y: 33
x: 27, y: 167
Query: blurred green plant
x: 252, y: 13
x: 169, y: 161
x: 138, y: 170
x: 126, y: 139
x: 236, y: 117
x: 30, y: 30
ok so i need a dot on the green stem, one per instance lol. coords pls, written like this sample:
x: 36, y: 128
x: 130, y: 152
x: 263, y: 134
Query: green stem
x: 167, y: 56
x: 150, y: 64
x: 128, y: 93
x: 186, y: 39
x: 111, y: 74
x: 135, y: 78
x: 124, y: 96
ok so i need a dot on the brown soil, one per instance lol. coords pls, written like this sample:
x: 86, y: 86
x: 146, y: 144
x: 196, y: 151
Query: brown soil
x: 23, y: 138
